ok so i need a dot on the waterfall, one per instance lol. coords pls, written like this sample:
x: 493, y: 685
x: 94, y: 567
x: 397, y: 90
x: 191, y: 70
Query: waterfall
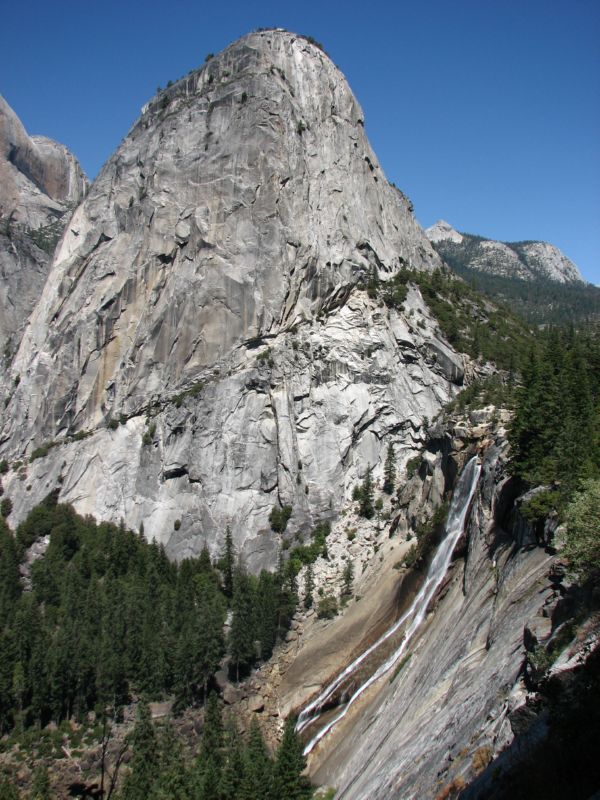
x: 455, y: 525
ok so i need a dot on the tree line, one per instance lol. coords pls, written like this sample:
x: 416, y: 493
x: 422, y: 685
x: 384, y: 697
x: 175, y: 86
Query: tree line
x: 109, y: 615
x: 555, y: 439
x: 227, y: 767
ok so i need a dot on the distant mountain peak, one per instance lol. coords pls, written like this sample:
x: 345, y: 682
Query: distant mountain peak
x: 443, y: 231
x: 533, y: 278
x: 527, y: 260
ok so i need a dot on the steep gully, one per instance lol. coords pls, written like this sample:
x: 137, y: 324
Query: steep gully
x: 414, y: 616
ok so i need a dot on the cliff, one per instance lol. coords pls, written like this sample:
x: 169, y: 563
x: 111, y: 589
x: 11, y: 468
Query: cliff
x: 40, y: 180
x: 208, y: 295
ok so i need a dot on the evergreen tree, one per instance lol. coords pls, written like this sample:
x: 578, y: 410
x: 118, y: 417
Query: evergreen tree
x: 40, y: 788
x: 242, y: 632
x: 209, y: 620
x: 373, y: 283
x: 212, y: 734
x: 266, y: 612
x: 232, y: 772
x: 140, y: 780
x: 287, y: 596
x: 258, y: 769
x: 389, y: 470
x: 309, y: 587
x: 10, y: 585
x: 209, y: 788
x: 227, y: 563
x: 172, y: 782
x: 347, y: 578
x: 366, y: 508
x: 290, y: 763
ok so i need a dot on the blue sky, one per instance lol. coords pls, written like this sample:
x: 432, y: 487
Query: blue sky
x: 485, y: 112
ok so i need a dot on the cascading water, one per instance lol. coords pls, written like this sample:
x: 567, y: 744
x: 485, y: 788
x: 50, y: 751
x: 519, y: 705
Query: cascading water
x: 455, y: 524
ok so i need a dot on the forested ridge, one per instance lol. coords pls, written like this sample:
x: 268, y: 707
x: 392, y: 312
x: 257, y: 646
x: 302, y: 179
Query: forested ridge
x: 540, y: 301
x: 555, y: 433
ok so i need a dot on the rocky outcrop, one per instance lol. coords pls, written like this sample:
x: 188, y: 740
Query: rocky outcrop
x: 40, y: 180
x: 427, y: 728
x: 527, y: 261
x: 207, y: 296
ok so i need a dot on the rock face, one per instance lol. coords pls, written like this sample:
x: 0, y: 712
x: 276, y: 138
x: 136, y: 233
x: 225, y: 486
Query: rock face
x: 206, y: 294
x: 430, y: 727
x: 528, y: 261
x: 39, y: 181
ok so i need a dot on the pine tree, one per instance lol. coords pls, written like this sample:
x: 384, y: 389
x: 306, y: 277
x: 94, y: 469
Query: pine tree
x: 258, y: 769
x: 366, y: 508
x: 232, y: 772
x: 287, y: 596
x: 10, y: 585
x: 242, y: 632
x: 172, y: 782
x: 309, y: 587
x: 348, y: 578
x: 139, y: 782
x: 290, y: 763
x: 227, y: 563
x: 40, y: 789
x: 373, y: 283
x: 389, y: 470
x: 210, y: 617
x: 266, y: 610
x: 212, y: 734
x: 210, y: 780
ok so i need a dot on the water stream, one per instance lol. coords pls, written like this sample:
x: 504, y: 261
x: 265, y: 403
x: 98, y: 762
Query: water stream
x: 414, y: 616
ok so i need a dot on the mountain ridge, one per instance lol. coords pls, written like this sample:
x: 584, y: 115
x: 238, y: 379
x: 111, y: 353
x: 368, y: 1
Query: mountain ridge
x: 527, y: 260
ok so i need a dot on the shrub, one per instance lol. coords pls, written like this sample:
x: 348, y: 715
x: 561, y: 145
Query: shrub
x: 6, y: 507
x: 308, y: 553
x: 80, y: 435
x: 177, y: 524
x: 42, y: 451
x: 412, y: 465
x: 327, y: 607
x: 148, y: 436
x: 3, y: 466
x: 539, y: 507
x: 279, y: 517
x: 112, y: 424
x: 481, y: 758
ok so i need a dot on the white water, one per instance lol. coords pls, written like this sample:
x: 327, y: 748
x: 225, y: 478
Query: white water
x: 455, y: 524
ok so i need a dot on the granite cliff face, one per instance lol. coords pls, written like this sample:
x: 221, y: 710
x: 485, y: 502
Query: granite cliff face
x: 527, y: 261
x: 40, y: 180
x: 207, y: 296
